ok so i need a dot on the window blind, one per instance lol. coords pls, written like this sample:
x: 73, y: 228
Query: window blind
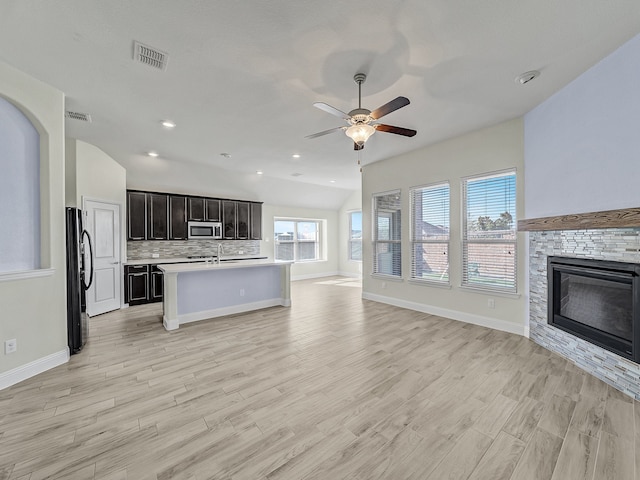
x: 387, y: 257
x: 489, y: 232
x: 430, y: 233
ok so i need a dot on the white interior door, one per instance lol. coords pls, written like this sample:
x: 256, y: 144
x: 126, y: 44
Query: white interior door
x: 102, y: 221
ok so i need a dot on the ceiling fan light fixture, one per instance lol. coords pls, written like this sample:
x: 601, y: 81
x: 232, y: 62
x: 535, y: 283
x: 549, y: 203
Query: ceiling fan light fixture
x: 360, y: 133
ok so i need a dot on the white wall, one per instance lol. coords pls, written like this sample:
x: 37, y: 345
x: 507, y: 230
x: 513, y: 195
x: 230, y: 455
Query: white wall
x: 328, y: 266
x: 487, y: 150
x: 34, y: 309
x: 348, y: 267
x: 582, y: 144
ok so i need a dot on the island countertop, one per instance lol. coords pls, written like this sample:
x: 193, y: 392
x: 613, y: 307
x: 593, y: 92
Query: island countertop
x: 223, y: 265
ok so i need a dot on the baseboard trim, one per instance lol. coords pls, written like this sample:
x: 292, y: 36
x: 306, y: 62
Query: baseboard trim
x: 350, y: 275
x: 221, y: 312
x: 295, y: 278
x: 32, y: 369
x: 447, y: 313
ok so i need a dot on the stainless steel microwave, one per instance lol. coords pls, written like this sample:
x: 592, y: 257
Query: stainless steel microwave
x: 204, y: 230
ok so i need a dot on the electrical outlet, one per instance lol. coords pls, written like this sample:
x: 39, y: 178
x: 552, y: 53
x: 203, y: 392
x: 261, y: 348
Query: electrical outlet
x: 384, y: 285
x: 491, y: 303
x: 10, y: 346
x: 155, y: 255
x: 240, y: 252
x: 242, y: 292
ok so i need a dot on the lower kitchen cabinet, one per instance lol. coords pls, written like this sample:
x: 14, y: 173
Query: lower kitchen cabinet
x: 143, y: 284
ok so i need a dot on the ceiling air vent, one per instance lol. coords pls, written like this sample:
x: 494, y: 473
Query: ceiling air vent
x: 150, y: 56
x: 296, y: 174
x: 83, y: 117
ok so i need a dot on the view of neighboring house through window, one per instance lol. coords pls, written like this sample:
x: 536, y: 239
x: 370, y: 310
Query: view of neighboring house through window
x: 430, y: 233
x: 297, y: 240
x: 489, y: 233
x: 355, y: 236
x: 387, y: 258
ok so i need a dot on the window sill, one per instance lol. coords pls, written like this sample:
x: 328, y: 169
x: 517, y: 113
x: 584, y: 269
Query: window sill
x: 490, y: 291
x: 11, y: 276
x: 426, y: 283
x: 388, y: 278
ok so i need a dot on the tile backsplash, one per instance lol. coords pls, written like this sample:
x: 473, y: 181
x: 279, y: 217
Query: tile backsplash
x: 140, y: 250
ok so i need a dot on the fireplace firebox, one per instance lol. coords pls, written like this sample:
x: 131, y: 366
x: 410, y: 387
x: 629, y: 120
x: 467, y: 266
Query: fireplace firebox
x: 598, y: 301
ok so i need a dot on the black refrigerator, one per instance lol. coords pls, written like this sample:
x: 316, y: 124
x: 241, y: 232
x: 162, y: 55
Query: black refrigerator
x: 78, y: 279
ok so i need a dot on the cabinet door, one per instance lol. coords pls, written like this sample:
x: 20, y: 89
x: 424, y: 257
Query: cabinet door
x: 136, y: 216
x: 228, y: 220
x: 242, y: 220
x: 177, y: 218
x: 212, y: 209
x: 156, y: 289
x: 137, y: 284
x: 256, y: 221
x: 196, y: 208
x: 157, y: 204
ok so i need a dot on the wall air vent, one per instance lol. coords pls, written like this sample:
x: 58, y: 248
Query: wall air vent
x: 150, y: 56
x: 83, y: 117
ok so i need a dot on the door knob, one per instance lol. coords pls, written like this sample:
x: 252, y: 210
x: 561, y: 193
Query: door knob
x: 115, y: 263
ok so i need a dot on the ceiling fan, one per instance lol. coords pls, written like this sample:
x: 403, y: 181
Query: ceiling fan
x: 362, y: 122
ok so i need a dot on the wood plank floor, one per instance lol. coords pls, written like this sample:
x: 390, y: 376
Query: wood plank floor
x: 334, y: 387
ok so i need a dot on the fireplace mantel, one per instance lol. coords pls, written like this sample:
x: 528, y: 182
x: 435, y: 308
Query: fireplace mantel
x: 626, y: 217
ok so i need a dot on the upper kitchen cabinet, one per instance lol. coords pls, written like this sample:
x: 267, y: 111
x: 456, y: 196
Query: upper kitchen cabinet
x: 228, y: 219
x: 212, y: 210
x: 157, y: 216
x: 177, y: 217
x: 242, y: 220
x: 136, y: 216
x: 196, y: 208
x: 256, y: 221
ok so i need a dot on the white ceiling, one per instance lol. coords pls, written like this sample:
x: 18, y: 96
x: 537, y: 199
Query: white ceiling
x: 242, y: 77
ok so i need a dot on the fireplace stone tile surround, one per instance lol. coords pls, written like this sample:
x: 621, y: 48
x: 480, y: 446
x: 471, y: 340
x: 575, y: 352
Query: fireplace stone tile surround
x: 617, y: 244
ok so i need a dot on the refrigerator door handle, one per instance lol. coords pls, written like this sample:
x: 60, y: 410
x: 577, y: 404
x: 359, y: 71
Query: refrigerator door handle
x: 85, y: 284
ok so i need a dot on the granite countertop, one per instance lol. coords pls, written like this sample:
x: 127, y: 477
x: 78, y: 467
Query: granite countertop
x: 158, y: 261
x: 229, y: 264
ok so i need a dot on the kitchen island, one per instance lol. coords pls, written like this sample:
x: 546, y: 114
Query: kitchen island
x: 197, y: 291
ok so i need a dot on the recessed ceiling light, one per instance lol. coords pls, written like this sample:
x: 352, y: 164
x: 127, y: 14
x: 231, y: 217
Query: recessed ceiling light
x: 225, y: 155
x: 259, y: 172
x: 152, y: 154
x: 526, y: 77
x: 332, y: 181
x: 168, y: 124
x: 296, y: 155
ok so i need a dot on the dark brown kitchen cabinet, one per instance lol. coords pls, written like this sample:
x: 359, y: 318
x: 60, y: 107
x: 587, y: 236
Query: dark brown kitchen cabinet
x: 157, y: 216
x: 242, y: 220
x: 212, y: 210
x: 196, y: 208
x: 256, y: 221
x: 137, y: 284
x: 156, y: 287
x: 177, y: 217
x: 228, y: 219
x: 136, y: 216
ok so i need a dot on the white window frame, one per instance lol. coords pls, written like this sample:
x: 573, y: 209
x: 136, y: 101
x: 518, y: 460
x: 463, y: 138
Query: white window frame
x: 509, y: 245
x: 394, y: 243
x: 319, y: 249
x: 418, y: 239
x: 354, y: 240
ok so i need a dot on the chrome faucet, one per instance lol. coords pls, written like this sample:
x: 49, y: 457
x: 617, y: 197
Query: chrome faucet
x: 219, y: 253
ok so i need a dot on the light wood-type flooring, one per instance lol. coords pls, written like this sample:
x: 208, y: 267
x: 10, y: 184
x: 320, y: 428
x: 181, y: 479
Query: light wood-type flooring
x: 334, y: 387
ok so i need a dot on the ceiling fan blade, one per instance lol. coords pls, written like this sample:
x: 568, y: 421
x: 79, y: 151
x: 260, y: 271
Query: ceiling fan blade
x: 407, y: 132
x: 387, y: 108
x: 332, y: 110
x: 325, y: 132
x: 357, y: 147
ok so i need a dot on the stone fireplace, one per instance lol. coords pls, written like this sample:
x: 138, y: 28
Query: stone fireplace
x: 604, y: 236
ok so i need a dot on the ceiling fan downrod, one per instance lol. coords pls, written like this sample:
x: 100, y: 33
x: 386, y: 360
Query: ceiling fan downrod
x: 359, y: 78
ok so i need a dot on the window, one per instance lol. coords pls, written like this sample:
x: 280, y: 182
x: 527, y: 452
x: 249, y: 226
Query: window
x: 387, y: 258
x: 355, y: 236
x: 430, y: 233
x: 489, y: 232
x: 297, y: 240
x: 19, y: 191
